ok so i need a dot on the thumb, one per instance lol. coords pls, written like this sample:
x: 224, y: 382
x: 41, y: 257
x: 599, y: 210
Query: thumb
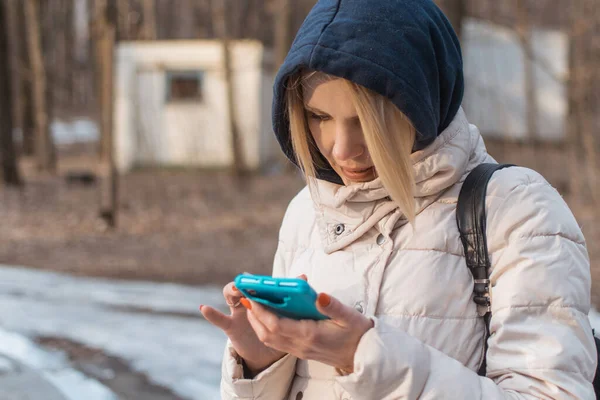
x: 215, y: 317
x: 334, y: 309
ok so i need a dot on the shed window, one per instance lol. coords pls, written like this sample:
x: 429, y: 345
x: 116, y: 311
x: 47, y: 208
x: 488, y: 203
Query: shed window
x: 184, y: 86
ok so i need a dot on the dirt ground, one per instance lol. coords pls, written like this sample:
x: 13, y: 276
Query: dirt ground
x: 184, y: 226
x: 180, y: 226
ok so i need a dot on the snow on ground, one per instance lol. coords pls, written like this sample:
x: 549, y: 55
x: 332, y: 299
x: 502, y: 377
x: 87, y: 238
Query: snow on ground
x: 75, y: 131
x: 63, y: 132
x: 57, y: 287
x: 181, y: 353
x: 54, y: 367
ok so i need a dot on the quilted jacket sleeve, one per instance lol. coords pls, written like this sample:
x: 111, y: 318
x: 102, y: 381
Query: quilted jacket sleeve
x: 272, y: 383
x: 541, y: 345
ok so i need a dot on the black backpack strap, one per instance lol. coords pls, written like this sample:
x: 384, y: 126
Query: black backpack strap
x: 471, y: 221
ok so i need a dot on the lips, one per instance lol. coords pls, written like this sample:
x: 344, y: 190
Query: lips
x: 357, y: 173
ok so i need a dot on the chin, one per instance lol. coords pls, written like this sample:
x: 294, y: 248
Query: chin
x: 348, y: 181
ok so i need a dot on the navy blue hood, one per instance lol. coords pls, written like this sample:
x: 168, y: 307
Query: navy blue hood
x: 405, y: 50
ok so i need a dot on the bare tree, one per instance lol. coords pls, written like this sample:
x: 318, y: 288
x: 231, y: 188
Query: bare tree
x: 123, y: 17
x: 14, y: 56
x: 282, y: 39
x: 524, y: 32
x: 44, y: 148
x: 584, y: 100
x: 220, y: 8
x: 148, y: 20
x: 68, y: 61
x: 8, y: 154
x: 104, y: 33
x: 455, y: 10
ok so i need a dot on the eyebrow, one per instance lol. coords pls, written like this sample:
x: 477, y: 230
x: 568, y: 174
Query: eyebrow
x: 314, y: 110
x: 319, y: 112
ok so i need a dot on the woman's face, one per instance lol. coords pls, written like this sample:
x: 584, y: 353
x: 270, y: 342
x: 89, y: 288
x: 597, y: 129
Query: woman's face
x: 336, y: 129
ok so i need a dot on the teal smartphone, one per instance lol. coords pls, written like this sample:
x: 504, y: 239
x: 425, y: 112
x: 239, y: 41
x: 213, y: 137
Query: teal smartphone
x: 288, y: 297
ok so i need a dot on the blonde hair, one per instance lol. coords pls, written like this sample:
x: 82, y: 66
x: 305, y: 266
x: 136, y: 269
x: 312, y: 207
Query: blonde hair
x: 388, y: 133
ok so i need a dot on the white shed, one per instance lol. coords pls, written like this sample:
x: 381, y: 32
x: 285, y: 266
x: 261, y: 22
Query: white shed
x: 171, y: 104
x: 495, y: 96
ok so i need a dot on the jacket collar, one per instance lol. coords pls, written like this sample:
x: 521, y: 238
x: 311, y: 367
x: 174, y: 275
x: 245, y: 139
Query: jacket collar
x: 345, y: 213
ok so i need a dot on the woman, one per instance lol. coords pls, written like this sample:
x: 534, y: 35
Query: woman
x: 367, y: 104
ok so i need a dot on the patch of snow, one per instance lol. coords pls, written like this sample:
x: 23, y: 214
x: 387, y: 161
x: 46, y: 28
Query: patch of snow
x: 54, y: 367
x: 182, y: 353
x: 75, y: 131
x: 76, y: 386
x: 6, y: 365
x: 55, y: 287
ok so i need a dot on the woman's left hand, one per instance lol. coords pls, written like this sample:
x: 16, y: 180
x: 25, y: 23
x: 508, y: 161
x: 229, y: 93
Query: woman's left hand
x: 331, y: 342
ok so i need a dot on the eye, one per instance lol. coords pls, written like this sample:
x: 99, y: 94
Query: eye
x: 317, y: 117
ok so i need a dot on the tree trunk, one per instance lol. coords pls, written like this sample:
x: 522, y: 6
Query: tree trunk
x: 123, y: 25
x: 14, y: 55
x: 149, y: 20
x: 584, y: 101
x: 8, y: 154
x: 104, y: 33
x: 69, y: 56
x: 24, y: 77
x: 50, y: 49
x: 455, y: 10
x: 220, y: 22
x: 43, y: 143
x: 283, y: 34
x: 524, y: 33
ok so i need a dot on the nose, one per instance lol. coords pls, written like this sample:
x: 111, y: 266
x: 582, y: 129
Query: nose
x: 349, y: 143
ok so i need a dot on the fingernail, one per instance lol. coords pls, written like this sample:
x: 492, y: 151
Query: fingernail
x: 303, y: 277
x: 201, y: 305
x: 235, y: 289
x: 324, y: 300
x: 246, y: 303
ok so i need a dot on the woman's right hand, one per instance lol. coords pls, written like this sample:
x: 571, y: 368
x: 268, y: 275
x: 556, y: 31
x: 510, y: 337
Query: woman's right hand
x: 256, y: 355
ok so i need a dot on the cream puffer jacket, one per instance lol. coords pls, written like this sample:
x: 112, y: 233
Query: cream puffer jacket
x: 428, y: 339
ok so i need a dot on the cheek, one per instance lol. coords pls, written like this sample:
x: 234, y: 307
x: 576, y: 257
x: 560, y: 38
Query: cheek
x: 324, y: 137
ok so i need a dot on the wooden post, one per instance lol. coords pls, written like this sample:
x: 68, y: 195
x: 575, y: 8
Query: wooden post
x: 219, y: 8
x: 8, y: 154
x: 43, y: 142
x: 104, y: 32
